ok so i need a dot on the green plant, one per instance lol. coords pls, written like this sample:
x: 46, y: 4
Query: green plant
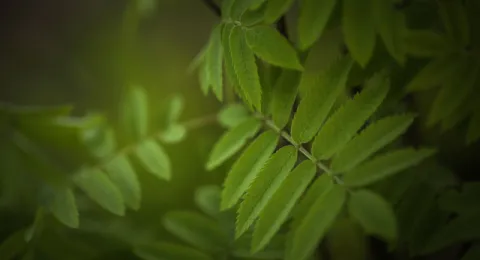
x: 337, y: 135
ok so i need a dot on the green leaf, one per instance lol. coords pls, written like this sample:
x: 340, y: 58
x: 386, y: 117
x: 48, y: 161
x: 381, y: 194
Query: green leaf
x: 232, y: 115
x: 314, y: 16
x: 214, y: 59
x: 245, y: 67
x: 253, y: 17
x: 208, y: 199
x: 173, y: 134
x: 267, y: 182
x: 100, y: 141
x: 204, y: 78
x: 346, y: 240
x: 359, y: 29
x: 274, y: 250
x: 268, y: 44
x: 35, y: 230
x: 385, y: 165
x: 100, y: 189
x: 246, y: 168
x: 434, y: 73
x: 346, y: 121
x: 455, y: 21
x: 256, y: 4
x: 319, y: 100
x: 175, y: 107
x: 197, y: 60
x: 226, y: 8
x: 283, y: 97
x: 281, y: 204
x: 121, y: 173
x: 473, y: 132
x: 275, y: 9
x: 424, y: 43
x: 369, y: 141
x: 62, y: 205
x: 164, y: 250
x: 13, y: 245
x: 473, y: 252
x: 316, y: 223
x: 461, y: 229
x: 374, y: 213
x: 390, y: 25
x: 196, y: 230
x: 238, y: 8
x: 154, y: 159
x: 231, y: 142
x: 462, y: 203
x: 227, y: 54
x: 135, y: 113
x: 454, y: 92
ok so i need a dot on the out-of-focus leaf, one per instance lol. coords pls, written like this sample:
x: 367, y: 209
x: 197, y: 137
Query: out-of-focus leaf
x: 154, y: 159
x: 173, y: 134
x: 134, y: 113
x: 13, y: 245
x: 121, y: 173
x: 61, y: 202
x: 232, y: 115
x: 168, y: 251
x: 346, y: 240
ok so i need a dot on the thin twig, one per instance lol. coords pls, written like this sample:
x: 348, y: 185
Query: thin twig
x: 213, y: 6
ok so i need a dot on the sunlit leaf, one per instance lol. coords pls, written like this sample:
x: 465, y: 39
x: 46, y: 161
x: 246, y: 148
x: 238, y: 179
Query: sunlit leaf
x: 231, y: 142
x: 98, y: 187
x: 374, y: 213
x: 154, y: 159
x: 263, y: 187
x: 121, y: 173
x: 385, y: 165
x: 246, y: 168
x: 314, y: 15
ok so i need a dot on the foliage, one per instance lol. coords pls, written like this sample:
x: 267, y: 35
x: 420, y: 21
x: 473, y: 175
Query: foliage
x: 321, y: 148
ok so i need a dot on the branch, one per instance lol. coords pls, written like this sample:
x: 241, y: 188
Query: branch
x: 213, y: 6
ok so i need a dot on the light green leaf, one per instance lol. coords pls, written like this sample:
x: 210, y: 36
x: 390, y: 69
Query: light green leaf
x: 268, y: 44
x: 245, y: 67
x: 62, y: 205
x: 281, y: 204
x: 264, y: 186
x: 283, y: 97
x: 359, y: 29
x: 231, y: 142
x: 253, y: 17
x: 196, y: 230
x: 204, y: 78
x: 238, y: 8
x: 473, y: 252
x: 461, y: 229
x: 135, y: 113
x: 214, y: 59
x: 319, y: 100
x: 121, y: 173
x: 455, y: 21
x: 424, y: 43
x: 173, y: 134
x: 176, y: 104
x: 276, y: 8
x: 316, y: 223
x: 208, y: 199
x: 168, y: 251
x: 232, y: 115
x: 154, y: 159
x: 100, y: 141
x: 346, y: 121
x: 346, y: 240
x: 473, y: 132
x: 246, y: 168
x: 374, y: 213
x: 197, y: 60
x: 13, y: 245
x: 373, y: 138
x: 100, y: 189
x: 230, y: 73
x: 434, y: 73
x: 314, y: 15
x: 454, y: 92
x: 390, y: 25
x: 385, y: 165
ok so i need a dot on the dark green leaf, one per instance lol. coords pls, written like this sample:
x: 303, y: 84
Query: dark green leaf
x: 314, y: 15
x: 214, y: 59
x: 423, y: 43
x: 464, y: 202
x: 455, y: 21
x: 154, y: 159
x: 283, y: 97
x: 62, y: 205
x: 168, y: 251
x: 13, y: 245
x: 276, y: 8
x: 346, y: 240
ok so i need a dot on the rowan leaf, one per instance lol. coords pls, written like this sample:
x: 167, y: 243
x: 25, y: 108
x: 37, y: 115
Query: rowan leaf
x: 245, y: 67
x: 135, y: 113
x: 231, y: 142
x: 281, y: 204
x: 154, y: 159
x: 232, y: 115
x: 173, y: 134
x: 208, y: 199
x: 385, y: 165
x: 276, y: 8
x: 246, y: 168
x: 374, y: 213
x: 263, y: 187
x: 121, y: 173
x: 283, y: 97
x: 373, y: 138
x: 315, y: 224
x: 227, y: 54
x: 425, y: 43
x: 196, y: 230
x: 359, y: 29
x: 98, y: 187
x: 214, y: 59
x: 163, y: 250
x: 62, y: 205
x: 319, y: 100
x: 269, y: 45
x: 313, y: 19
